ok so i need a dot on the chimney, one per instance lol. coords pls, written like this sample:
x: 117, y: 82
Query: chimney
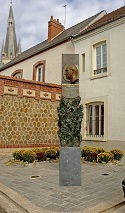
x: 54, y: 28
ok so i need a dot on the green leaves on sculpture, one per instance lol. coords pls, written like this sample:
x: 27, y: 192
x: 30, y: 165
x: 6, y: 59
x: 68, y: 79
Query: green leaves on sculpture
x: 70, y: 113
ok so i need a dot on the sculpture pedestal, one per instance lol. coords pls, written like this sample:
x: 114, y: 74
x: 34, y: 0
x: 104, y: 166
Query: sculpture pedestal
x: 70, y: 166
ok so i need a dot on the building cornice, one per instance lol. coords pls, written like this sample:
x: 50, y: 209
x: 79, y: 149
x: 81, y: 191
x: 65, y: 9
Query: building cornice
x: 98, y: 30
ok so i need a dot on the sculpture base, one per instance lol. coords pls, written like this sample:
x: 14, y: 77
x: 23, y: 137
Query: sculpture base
x: 70, y: 166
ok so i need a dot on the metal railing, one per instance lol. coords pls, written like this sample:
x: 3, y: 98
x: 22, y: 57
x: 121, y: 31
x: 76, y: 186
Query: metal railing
x: 100, y: 71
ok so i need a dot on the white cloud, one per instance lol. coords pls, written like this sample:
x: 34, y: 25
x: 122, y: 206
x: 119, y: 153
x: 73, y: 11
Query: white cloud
x: 31, y: 17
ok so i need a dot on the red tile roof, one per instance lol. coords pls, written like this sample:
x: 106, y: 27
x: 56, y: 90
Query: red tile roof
x: 108, y: 18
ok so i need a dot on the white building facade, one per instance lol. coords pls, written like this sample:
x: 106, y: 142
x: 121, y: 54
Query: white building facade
x: 102, y: 88
x: 100, y: 43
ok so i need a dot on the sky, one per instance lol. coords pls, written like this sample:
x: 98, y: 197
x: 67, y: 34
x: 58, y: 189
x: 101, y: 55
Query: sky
x: 32, y: 16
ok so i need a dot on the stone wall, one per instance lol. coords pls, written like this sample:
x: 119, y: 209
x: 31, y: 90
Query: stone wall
x: 28, y: 113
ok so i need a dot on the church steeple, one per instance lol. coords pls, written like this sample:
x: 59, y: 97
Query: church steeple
x: 11, y: 48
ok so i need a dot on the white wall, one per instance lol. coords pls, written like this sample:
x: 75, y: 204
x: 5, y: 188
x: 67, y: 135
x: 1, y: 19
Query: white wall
x: 111, y: 88
x: 53, y: 67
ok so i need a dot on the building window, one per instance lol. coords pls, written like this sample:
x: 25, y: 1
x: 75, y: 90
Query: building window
x: 95, y: 120
x: 100, y: 58
x: 39, y: 71
x: 17, y: 73
x: 83, y: 61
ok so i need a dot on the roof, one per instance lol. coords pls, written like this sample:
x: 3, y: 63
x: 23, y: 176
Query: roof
x: 106, y: 19
x: 74, y: 31
x: 64, y: 36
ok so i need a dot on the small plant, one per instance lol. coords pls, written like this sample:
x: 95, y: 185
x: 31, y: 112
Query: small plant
x: 91, y: 153
x: 92, y: 156
x: 57, y: 151
x: 41, y: 154
x: 98, y: 150
x: 36, y: 150
x: 118, y: 154
x: 18, y: 154
x: 28, y: 156
x: 51, y: 153
x: 104, y: 157
x: 85, y: 151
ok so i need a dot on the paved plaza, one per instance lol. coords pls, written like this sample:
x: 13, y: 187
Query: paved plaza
x: 34, y: 188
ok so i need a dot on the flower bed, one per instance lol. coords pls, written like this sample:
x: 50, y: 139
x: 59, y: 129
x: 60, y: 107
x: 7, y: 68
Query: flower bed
x: 91, y: 154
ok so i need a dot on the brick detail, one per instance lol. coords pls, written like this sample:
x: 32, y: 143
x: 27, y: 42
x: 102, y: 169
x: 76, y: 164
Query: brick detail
x: 20, y: 89
x: 54, y: 28
x: 2, y: 87
x: 22, y: 85
x: 53, y: 97
x: 17, y: 72
x: 3, y: 146
x: 37, y: 94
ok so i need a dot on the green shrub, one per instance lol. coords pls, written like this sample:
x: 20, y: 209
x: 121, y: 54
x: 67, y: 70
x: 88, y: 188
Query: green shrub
x: 46, y: 153
x: 92, y: 156
x: 51, y: 153
x: 104, y: 157
x: 41, y: 154
x: 57, y: 151
x: 98, y: 150
x: 96, y: 154
x: 85, y: 151
x: 36, y: 150
x: 39, y: 149
x: 18, y: 154
x: 118, y: 154
x: 91, y: 153
x: 28, y: 156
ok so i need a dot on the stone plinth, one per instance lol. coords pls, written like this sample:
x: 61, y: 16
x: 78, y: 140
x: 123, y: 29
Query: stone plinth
x: 70, y: 166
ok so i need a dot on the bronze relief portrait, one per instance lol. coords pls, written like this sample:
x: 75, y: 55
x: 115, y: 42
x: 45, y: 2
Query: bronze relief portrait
x: 71, y: 74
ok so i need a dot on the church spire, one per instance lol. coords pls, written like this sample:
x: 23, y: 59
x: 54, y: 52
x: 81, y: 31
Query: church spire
x: 11, y: 47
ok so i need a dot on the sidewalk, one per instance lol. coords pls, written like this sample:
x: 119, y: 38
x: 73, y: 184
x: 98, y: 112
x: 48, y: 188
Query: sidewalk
x: 34, y: 188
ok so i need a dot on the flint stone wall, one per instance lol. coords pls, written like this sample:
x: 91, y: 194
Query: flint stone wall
x: 28, y: 113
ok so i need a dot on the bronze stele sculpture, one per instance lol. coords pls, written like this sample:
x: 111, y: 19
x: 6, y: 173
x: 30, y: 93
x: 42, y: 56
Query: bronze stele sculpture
x: 70, y: 114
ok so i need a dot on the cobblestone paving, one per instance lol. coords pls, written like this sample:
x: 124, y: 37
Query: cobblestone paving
x: 101, y: 185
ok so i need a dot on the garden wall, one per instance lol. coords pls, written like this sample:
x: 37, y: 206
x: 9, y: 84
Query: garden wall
x: 28, y: 113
